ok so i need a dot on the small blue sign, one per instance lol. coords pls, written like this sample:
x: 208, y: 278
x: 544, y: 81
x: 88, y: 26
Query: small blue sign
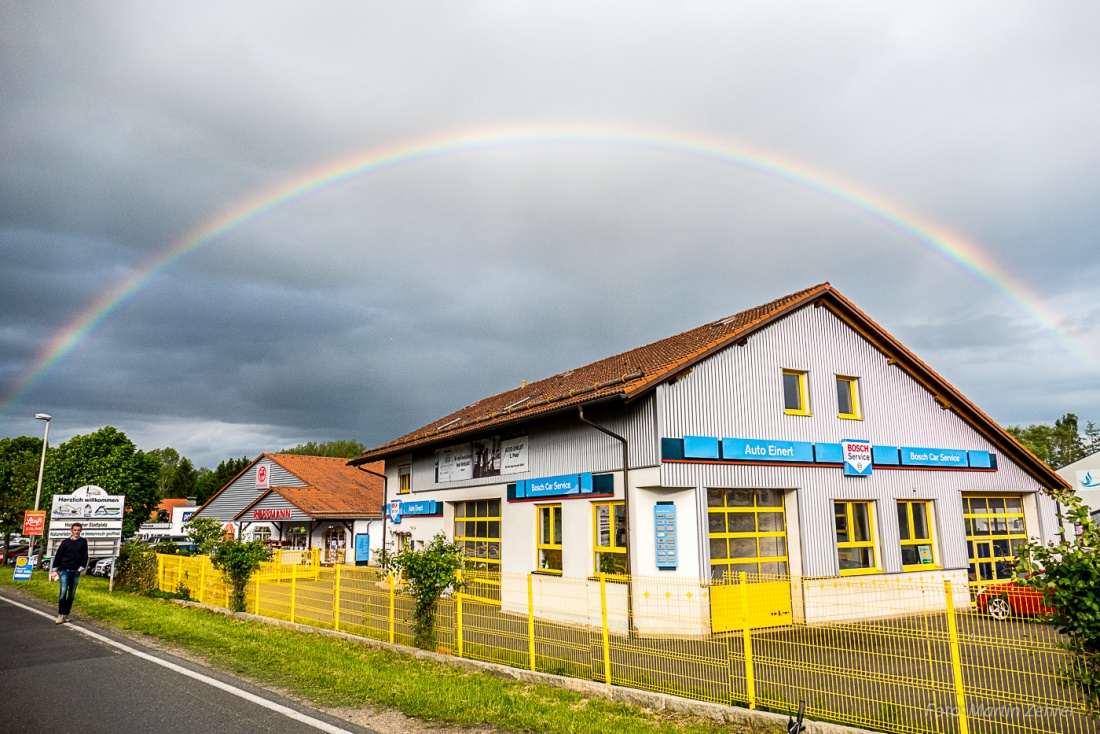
x: 980, y: 460
x: 362, y: 547
x: 700, y: 447
x: 750, y: 449
x: 421, y: 507
x: 395, y: 512
x: 23, y: 569
x: 664, y: 530
x: 954, y: 458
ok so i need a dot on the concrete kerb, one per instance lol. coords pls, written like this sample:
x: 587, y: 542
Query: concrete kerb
x: 764, y: 721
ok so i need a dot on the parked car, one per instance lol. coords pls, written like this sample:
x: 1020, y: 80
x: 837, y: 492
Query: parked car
x: 13, y: 552
x: 103, y: 567
x: 1003, y: 600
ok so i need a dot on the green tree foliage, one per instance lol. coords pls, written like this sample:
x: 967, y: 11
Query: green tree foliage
x: 238, y: 561
x: 184, y: 480
x: 206, y: 533
x: 136, y: 567
x: 169, y: 459
x: 108, y: 459
x: 208, y: 483
x: 429, y: 573
x: 19, y: 459
x: 347, y: 449
x: 1060, y: 444
x: 1071, y: 585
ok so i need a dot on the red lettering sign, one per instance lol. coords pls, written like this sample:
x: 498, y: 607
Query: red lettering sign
x: 34, y: 522
x: 280, y: 514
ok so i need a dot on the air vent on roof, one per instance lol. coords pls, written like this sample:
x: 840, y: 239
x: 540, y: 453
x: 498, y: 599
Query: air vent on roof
x: 527, y: 399
x: 724, y: 322
x: 450, y: 423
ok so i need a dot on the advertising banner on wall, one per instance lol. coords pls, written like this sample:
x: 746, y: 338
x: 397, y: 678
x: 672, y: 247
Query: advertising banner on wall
x: 488, y: 457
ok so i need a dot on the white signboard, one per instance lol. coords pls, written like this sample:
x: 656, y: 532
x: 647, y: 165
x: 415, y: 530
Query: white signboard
x: 857, y: 457
x: 455, y: 463
x: 100, y: 513
x: 513, y: 455
x: 263, y: 477
x: 488, y: 457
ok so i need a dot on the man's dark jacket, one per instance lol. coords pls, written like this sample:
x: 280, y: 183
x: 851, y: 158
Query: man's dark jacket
x: 71, y: 555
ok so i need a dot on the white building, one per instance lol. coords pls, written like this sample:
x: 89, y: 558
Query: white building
x: 795, y: 440
x: 1084, y: 476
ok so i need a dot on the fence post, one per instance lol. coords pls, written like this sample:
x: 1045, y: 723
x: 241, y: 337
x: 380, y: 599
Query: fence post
x: 606, y: 636
x: 160, y: 572
x: 746, y: 635
x: 336, y: 600
x: 225, y: 582
x: 202, y: 580
x: 956, y: 659
x: 256, y: 597
x: 458, y: 622
x: 531, y: 620
x: 179, y: 571
x: 293, y: 591
x: 392, y: 609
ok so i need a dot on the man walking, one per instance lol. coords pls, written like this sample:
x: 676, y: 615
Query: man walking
x: 69, y: 560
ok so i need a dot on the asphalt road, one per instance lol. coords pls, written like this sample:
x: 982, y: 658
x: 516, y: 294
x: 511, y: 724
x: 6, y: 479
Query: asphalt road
x: 78, y: 678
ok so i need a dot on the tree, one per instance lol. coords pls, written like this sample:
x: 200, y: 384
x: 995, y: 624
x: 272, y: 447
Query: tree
x: 19, y: 459
x: 183, y: 481
x: 429, y: 572
x: 169, y: 459
x: 346, y: 449
x: 209, y: 482
x: 109, y: 460
x: 1061, y: 443
x: 237, y: 562
x: 205, y: 533
x: 1071, y: 585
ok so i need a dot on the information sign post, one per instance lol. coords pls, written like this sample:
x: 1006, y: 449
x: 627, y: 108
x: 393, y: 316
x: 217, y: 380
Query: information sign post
x: 100, y: 513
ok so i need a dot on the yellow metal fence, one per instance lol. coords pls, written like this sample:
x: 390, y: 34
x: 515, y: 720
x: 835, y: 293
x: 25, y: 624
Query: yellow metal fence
x: 896, y: 656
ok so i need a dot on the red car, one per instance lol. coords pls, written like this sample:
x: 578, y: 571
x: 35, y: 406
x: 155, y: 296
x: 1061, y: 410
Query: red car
x: 1008, y: 598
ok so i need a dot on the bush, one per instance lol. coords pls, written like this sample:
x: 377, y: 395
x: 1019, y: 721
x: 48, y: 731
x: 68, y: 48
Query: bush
x: 136, y: 567
x: 238, y: 561
x: 429, y: 572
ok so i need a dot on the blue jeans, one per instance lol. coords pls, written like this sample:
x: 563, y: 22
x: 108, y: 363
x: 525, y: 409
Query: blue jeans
x: 68, y: 591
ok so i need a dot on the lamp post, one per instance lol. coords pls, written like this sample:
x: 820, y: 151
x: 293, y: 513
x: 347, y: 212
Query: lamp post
x: 41, y: 469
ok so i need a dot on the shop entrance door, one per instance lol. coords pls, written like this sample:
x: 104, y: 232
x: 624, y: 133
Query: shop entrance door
x: 335, y: 545
x: 994, y: 529
x: 747, y: 534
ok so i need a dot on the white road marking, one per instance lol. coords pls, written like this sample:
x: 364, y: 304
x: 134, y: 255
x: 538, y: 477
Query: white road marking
x: 285, y: 711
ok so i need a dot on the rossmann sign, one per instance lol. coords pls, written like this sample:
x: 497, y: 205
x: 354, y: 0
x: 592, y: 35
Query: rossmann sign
x: 279, y: 514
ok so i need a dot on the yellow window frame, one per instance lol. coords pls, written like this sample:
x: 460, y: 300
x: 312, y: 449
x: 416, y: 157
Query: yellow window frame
x: 466, y: 533
x: 930, y: 540
x: 803, y: 392
x: 404, y: 479
x: 977, y: 509
x: 852, y: 388
x: 548, y: 533
x: 871, y: 542
x: 616, y: 562
x: 756, y: 535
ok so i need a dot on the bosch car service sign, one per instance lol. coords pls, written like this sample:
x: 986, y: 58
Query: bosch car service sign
x: 857, y: 457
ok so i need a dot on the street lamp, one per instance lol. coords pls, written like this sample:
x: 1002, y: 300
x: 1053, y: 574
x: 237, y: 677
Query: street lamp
x: 41, y: 469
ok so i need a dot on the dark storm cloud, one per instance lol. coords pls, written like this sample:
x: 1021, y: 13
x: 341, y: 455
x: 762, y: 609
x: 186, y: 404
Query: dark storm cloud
x: 369, y: 308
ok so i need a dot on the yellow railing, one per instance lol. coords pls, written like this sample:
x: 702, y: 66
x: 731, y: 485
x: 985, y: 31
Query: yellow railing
x: 898, y: 655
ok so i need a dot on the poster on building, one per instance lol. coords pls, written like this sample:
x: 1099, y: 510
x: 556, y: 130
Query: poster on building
x: 487, y: 457
x: 100, y: 513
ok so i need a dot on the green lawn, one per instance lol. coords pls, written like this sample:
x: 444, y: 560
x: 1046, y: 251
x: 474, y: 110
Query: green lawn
x: 333, y: 672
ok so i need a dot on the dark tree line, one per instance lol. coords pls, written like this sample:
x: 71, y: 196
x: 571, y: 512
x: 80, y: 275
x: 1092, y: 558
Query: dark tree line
x: 1059, y: 444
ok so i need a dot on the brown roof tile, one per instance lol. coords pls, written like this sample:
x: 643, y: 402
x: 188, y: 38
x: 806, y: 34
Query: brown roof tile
x: 333, y: 489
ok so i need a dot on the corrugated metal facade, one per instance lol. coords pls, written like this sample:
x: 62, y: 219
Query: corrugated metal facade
x: 564, y: 445
x: 242, y: 491
x: 738, y: 393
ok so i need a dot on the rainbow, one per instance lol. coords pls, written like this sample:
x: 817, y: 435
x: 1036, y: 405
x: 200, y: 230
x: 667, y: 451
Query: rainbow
x: 967, y: 256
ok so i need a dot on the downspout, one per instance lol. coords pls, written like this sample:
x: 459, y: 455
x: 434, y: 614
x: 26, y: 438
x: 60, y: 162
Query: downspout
x: 385, y: 514
x: 626, y: 512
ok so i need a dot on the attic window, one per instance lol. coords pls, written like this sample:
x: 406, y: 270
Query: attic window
x: 523, y: 401
x: 724, y: 322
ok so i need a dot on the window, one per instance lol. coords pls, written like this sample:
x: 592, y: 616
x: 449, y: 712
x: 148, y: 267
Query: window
x: 549, y: 545
x: 994, y: 530
x: 855, y: 537
x: 477, y: 530
x: 262, y: 533
x: 404, y: 479
x: 610, y: 527
x: 847, y: 398
x: 915, y: 530
x: 746, y: 533
x: 796, y: 393
x: 296, y: 537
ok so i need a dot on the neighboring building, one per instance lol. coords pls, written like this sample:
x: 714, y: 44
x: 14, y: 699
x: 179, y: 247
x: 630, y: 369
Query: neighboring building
x: 733, y: 438
x: 179, y: 512
x: 301, y: 502
x: 1084, y: 476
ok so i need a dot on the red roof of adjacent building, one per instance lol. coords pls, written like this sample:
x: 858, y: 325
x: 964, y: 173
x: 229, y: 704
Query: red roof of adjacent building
x: 634, y: 373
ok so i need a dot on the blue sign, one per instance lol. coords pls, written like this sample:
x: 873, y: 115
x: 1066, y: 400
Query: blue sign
x: 954, y: 458
x: 857, y: 457
x: 750, y: 449
x: 23, y: 569
x: 700, y: 447
x: 421, y: 507
x: 980, y: 460
x: 395, y: 512
x: 362, y: 547
x: 664, y: 529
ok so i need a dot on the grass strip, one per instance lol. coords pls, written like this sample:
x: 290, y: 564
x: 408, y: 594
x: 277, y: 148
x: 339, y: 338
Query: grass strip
x: 333, y: 672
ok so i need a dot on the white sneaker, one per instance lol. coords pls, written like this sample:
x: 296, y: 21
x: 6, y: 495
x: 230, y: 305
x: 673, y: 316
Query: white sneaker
x: 60, y: 619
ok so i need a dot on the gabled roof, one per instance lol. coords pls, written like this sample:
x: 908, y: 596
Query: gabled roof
x: 333, y: 487
x: 636, y: 372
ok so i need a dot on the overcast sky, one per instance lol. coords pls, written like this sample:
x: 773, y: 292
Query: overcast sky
x: 367, y: 309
